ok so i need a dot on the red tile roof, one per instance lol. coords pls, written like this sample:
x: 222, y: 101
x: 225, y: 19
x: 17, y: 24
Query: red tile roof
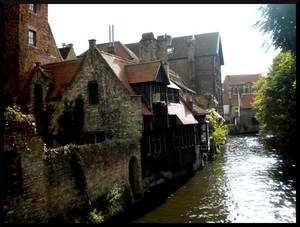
x: 247, y: 100
x: 198, y: 110
x: 143, y: 72
x: 182, y: 112
x: 118, y: 66
x: 242, y: 79
x: 63, y: 73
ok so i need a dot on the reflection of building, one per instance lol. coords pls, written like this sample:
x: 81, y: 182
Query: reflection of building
x: 238, y: 95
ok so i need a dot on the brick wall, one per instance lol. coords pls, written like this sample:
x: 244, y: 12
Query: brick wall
x: 51, y: 183
x: 19, y: 55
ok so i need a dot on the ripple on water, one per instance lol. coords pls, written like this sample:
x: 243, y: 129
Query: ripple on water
x: 246, y: 184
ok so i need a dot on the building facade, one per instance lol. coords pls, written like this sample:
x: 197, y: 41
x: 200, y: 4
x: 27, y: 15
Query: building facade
x: 237, y: 98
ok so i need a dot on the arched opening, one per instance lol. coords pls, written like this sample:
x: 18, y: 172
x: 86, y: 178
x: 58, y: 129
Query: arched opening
x: 134, y: 176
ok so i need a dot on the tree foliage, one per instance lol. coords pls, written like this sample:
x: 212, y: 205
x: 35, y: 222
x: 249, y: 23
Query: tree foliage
x: 279, y: 22
x: 276, y: 100
x: 217, y: 128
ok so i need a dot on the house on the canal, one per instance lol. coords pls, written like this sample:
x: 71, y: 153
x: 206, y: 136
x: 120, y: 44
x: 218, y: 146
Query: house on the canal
x: 139, y: 125
x: 196, y: 58
x: 237, y: 98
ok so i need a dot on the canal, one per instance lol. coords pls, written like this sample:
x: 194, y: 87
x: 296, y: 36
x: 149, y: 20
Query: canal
x: 247, y: 183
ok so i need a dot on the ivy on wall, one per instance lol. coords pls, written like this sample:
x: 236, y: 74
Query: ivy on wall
x: 71, y: 121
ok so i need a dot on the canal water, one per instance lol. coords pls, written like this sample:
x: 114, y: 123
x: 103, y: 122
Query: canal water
x: 247, y: 183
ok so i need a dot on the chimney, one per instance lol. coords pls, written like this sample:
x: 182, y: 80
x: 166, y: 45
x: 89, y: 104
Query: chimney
x: 111, y: 45
x: 92, y: 43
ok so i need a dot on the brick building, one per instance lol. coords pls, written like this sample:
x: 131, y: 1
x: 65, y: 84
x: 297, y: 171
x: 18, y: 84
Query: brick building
x: 131, y: 105
x: 27, y: 39
x: 237, y: 98
x: 197, y: 59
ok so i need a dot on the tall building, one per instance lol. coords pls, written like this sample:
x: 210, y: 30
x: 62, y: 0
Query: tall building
x: 27, y: 39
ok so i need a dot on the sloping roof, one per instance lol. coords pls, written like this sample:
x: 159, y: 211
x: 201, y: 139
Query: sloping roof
x: 172, y: 85
x: 59, y: 73
x: 64, y: 51
x: 182, y: 112
x: 120, y: 50
x: 247, y: 100
x: 178, y: 81
x: 63, y: 73
x: 118, y: 64
x: 143, y: 72
x: 24, y: 91
x: 242, y: 79
x: 198, y: 110
x: 200, y: 99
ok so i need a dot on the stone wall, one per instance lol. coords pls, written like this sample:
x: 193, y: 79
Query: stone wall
x: 51, y: 183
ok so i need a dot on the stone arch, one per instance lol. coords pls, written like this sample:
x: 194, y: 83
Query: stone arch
x: 134, y: 176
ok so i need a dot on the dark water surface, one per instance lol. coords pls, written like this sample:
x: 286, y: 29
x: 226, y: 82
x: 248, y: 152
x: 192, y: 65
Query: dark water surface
x: 247, y: 183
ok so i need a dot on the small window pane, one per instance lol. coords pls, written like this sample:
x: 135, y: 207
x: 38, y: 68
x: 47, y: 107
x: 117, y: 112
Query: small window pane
x: 32, y: 7
x: 31, y: 37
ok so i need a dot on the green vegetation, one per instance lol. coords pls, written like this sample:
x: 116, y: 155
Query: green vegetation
x: 11, y: 111
x: 276, y: 102
x: 279, y: 22
x: 71, y: 121
x: 217, y: 128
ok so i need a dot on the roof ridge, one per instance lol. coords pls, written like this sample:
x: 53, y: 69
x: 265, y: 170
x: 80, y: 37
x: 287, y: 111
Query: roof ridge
x: 115, y: 56
x: 142, y: 63
x: 61, y: 62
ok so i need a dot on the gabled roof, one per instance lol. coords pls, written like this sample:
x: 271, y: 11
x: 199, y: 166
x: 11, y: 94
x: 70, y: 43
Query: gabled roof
x: 182, y: 112
x: 63, y: 73
x: 145, y: 72
x: 241, y: 79
x: 59, y: 73
x: 67, y: 52
x: 117, y: 64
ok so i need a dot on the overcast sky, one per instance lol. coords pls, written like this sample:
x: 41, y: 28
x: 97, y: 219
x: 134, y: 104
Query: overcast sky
x: 242, y: 51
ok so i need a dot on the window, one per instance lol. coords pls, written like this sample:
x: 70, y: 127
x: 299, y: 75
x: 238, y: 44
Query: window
x: 32, y: 37
x: 32, y: 8
x: 93, y: 92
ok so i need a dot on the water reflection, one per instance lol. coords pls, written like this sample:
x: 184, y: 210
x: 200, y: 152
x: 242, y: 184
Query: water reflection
x: 247, y: 183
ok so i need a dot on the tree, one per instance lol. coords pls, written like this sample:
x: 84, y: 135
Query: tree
x: 276, y: 100
x: 279, y: 22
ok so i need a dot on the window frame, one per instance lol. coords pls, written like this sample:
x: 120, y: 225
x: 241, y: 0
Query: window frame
x: 31, y: 39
